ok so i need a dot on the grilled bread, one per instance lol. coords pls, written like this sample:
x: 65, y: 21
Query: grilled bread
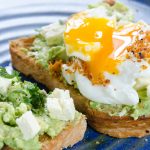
x: 68, y: 137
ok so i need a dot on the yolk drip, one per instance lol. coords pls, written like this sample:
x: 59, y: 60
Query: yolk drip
x: 95, y: 30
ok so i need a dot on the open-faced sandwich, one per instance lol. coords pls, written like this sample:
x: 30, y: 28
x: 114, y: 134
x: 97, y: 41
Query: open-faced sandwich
x: 31, y: 119
x: 102, y: 57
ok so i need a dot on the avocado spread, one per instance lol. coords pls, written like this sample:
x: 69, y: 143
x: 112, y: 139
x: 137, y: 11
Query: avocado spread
x: 16, y: 98
x: 122, y: 13
x: 135, y: 111
x: 48, y: 46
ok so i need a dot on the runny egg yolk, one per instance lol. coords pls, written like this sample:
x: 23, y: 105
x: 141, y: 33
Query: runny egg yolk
x: 94, y: 38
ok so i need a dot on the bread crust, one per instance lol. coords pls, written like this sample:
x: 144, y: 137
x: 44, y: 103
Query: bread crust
x: 72, y: 134
x: 120, y: 127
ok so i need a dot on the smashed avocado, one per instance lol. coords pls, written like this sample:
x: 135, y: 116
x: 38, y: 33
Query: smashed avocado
x: 135, y: 111
x: 48, y: 49
x: 20, y: 98
x: 122, y: 13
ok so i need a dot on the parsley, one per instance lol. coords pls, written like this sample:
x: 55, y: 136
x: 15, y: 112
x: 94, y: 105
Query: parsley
x: 37, y: 97
x: 2, y: 98
x: 4, y: 73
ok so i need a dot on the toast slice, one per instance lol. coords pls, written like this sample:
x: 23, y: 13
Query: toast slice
x: 121, y: 127
x: 72, y: 134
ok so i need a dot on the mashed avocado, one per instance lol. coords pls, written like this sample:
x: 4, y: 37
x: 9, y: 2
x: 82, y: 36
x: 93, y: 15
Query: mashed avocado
x: 122, y: 13
x: 141, y: 109
x: 20, y: 98
x: 46, y: 49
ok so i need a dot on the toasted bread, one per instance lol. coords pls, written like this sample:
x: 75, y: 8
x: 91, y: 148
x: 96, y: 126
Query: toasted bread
x: 121, y: 127
x: 72, y: 134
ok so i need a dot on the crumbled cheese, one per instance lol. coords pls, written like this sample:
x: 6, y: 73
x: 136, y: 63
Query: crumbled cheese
x: 60, y: 105
x: 4, y: 85
x: 28, y: 125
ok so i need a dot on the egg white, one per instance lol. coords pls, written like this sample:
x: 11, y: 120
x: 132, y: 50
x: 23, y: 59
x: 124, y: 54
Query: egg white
x: 120, y: 90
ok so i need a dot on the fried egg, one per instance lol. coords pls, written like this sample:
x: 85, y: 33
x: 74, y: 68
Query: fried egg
x: 101, y: 45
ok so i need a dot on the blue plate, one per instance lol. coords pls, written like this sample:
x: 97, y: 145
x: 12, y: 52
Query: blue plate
x: 22, y: 18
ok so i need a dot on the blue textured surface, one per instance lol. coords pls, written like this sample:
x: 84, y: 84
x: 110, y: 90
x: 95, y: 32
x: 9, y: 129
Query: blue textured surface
x: 21, y: 21
x: 147, y: 2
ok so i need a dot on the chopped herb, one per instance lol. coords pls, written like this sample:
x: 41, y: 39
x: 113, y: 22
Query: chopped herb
x: 4, y: 73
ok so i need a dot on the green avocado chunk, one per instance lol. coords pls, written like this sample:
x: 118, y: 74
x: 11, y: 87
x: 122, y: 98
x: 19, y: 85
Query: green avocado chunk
x: 43, y: 53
